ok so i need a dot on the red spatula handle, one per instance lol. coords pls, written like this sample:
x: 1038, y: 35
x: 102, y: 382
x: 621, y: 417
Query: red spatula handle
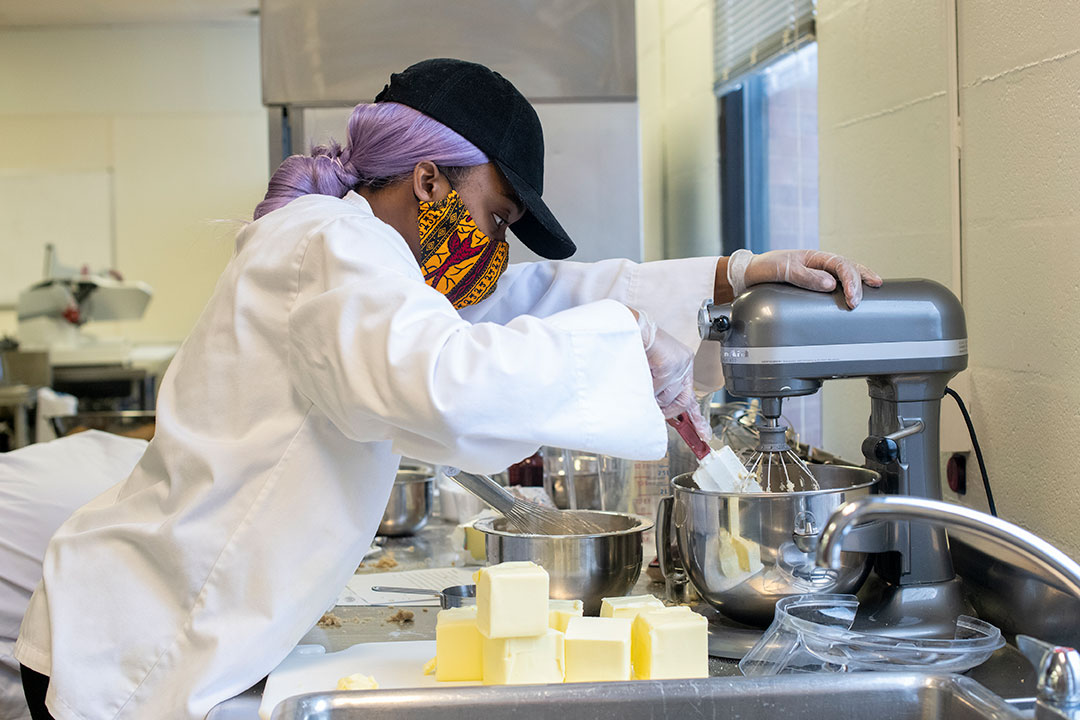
x: 689, y: 433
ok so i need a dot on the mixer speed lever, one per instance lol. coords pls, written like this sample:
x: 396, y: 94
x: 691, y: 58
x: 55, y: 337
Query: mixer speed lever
x: 886, y: 449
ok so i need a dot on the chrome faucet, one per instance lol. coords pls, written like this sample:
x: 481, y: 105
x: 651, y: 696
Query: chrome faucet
x: 1058, y: 668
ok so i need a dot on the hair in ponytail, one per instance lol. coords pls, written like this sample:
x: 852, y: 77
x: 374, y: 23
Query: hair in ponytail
x: 385, y: 142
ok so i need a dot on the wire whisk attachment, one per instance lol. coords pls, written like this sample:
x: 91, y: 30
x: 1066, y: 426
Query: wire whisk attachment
x: 775, y: 465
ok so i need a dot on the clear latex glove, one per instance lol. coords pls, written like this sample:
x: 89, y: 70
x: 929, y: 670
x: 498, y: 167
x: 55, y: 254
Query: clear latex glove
x: 810, y: 269
x: 671, y: 364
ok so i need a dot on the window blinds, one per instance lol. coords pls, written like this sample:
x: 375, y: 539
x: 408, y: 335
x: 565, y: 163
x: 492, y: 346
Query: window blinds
x: 749, y: 33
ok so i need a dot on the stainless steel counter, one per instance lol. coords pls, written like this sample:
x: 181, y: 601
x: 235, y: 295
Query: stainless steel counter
x: 1007, y: 673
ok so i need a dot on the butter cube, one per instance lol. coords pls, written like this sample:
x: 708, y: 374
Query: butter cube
x: 560, y: 612
x: 737, y: 555
x: 524, y: 660
x: 629, y: 606
x: 358, y: 681
x: 475, y: 543
x: 672, y: 642
x: 512, y: 600
x: 597, y: 648
x: 458, y: 645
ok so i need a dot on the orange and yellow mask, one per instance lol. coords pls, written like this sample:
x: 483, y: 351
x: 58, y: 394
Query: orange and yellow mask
x: 457, y: 259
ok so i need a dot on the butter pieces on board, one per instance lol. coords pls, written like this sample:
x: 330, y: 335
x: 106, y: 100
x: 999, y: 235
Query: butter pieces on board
x: 670, y: 642
x: 524, y: 660
x: 458, y: 645
x: 512, y: 599
x: 560, y: 612
x: 597, y: 649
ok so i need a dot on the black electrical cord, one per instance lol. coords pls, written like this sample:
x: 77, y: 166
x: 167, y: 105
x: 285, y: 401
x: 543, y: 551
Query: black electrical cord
x: 978, y: 451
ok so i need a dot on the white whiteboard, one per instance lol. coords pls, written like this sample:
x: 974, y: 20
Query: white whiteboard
x: 71, y: 210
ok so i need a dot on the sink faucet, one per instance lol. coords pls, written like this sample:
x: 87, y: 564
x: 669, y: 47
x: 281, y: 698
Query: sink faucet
x: 1058, y: 668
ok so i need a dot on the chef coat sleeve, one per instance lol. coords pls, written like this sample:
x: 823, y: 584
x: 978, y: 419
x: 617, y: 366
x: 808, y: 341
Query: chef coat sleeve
x: 384, y: 356
x: 669, y: 291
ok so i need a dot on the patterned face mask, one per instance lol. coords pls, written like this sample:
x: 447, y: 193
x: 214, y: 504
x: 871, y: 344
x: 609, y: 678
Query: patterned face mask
x: 456, y: 258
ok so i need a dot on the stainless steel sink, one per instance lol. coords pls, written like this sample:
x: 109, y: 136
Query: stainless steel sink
x: 855, y: 696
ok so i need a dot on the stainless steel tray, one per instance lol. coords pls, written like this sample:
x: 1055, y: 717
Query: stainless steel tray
x: 884, y: 696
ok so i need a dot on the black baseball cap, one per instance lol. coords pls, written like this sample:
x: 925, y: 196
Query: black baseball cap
x: 484, y: 108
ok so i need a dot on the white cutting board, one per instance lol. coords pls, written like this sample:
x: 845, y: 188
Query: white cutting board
x: 309, y: 668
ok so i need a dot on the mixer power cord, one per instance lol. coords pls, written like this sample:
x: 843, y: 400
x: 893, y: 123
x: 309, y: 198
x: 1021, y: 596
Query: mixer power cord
x: 978, y: 451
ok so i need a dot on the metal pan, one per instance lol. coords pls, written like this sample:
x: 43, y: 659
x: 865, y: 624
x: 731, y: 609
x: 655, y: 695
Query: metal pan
x: 451, y: 597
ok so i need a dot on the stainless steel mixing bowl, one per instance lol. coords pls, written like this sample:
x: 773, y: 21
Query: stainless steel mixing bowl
x: 717, y: 536
x: 409, y: 506
x: 580, y: 567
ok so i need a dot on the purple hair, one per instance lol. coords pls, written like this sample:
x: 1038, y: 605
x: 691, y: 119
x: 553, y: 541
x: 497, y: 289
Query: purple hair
x: 386, y: 141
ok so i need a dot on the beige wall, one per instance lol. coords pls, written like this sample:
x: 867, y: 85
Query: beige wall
x: 175, y: 114
x: 885, y: 111
x: 680, y: 176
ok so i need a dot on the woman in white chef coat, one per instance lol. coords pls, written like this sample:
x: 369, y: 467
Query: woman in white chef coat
x: 365, y: 314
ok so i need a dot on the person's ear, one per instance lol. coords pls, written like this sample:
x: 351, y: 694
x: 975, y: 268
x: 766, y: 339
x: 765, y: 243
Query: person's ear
x: 429, y: 183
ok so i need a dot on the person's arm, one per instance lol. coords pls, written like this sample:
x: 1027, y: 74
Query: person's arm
x: 384, y: 356
x: 669, y: 291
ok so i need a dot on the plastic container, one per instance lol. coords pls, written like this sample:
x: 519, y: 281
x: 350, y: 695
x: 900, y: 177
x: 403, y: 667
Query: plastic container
x: 812, y: 633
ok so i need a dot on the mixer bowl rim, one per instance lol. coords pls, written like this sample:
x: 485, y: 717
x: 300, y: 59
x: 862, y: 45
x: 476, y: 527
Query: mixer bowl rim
x: 875, y: 477
x: 641, y: 524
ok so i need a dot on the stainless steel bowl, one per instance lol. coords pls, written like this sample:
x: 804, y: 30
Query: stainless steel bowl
x: 717, y: 536
x: 409, y: 506
x: 582, y: 567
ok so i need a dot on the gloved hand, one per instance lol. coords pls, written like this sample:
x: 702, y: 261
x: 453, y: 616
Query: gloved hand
x: 671, y: 364
x: 810, y: 269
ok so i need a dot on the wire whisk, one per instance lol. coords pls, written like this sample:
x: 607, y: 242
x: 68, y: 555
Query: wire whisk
x: 528, y: 517
x: 773, y: 460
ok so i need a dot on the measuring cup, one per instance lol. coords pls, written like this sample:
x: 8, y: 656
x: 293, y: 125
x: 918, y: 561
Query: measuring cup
x: 451, y: 597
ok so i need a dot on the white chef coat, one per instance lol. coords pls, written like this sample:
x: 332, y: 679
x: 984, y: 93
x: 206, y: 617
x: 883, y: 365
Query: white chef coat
x: 40, y: 486
x: 321, y: 357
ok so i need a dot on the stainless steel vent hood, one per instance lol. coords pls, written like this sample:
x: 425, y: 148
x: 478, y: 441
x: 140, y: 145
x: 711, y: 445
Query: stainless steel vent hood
x: 322, y: 52
x: 574, y: 59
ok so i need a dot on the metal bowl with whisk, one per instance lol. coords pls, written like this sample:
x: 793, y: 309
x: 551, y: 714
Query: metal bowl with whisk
x: 745, y: 551
x: 580, y: 567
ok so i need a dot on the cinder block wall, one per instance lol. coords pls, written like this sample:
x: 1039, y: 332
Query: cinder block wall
x: 885, y: 198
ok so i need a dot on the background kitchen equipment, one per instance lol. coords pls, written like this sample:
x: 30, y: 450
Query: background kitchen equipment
x: 130, y: 423
x: 908, y: 338
x: 743, y: 552
x: 582, y: 567
x: 410, y: 504
x: 586, y: 481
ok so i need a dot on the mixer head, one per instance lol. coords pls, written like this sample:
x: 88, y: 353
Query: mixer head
x: 782, y: 341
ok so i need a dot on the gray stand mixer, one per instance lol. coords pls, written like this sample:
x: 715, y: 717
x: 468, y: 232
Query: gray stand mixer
x: 908, y: 339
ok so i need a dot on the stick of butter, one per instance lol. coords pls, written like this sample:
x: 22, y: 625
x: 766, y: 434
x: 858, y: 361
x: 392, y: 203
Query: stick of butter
x: 629, y: 606
x: 458, y: 645
x: 524, y: 660
x: 560, y: 612
x: 358, y: 681
x: 597, y: 648
x: 512, y: 600
x: 671, y: 642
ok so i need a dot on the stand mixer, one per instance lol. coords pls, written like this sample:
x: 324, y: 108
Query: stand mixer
x: 908, y: 339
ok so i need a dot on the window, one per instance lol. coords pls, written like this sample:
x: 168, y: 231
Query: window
x: 768, y: 174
